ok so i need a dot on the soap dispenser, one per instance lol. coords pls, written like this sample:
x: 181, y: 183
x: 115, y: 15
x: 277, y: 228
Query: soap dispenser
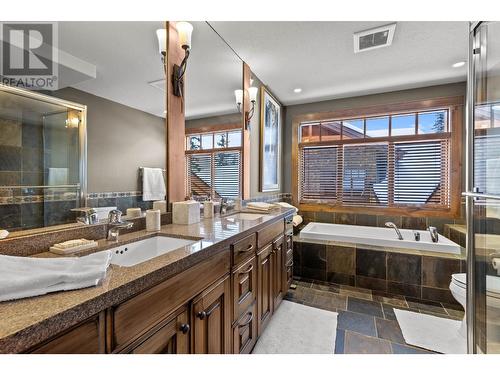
x: 208, y: 208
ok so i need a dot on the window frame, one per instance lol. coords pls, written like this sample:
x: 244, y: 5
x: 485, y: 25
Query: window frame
x: 454, y: 105
x: 213, y: 130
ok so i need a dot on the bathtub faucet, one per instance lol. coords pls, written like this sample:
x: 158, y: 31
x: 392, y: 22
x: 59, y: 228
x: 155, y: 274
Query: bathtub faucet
x: 393, y: 226
x: 434, y: 234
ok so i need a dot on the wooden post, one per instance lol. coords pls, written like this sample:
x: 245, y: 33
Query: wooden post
x: 245, y: 173
x: 175, y: 123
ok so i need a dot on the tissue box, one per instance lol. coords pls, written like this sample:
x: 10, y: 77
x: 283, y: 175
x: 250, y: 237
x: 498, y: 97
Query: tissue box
x: 187, y: 212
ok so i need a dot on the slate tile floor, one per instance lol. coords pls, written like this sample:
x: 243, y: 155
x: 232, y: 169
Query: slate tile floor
x: 366, y: 321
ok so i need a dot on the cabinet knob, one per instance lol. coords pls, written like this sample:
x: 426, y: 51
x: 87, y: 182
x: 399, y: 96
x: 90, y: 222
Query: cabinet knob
x: 201, y: 315
x: 185, y: 328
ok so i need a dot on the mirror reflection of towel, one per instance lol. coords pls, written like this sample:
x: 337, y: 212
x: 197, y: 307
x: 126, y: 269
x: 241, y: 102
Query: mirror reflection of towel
x: 153, y: 184
x: 57, y: 176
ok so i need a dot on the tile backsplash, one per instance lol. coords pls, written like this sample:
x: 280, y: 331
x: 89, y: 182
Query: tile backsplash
x: 122, y: 200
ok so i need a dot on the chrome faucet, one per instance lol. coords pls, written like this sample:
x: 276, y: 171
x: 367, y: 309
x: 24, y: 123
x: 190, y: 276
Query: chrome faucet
x: 115, y: 223
x: 393, y: 226
x: 225, y: 205
x: 89, y: 215
x: 434, y: 234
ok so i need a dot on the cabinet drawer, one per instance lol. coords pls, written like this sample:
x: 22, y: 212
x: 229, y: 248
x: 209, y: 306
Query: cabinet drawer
x: 139, y: 314
x: 244, y: 249
x: 86, y: 338
x: 244, y: 280
x: 269, y: 233
x: 245, y: 331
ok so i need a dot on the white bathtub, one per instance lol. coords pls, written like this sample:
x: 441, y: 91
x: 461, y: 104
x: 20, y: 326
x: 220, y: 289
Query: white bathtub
x: 357, y: 234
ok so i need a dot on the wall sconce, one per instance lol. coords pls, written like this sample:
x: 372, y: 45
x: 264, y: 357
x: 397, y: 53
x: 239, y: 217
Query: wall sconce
x: 252, y: 92
x: 72, y: 122
x: 184, y: 31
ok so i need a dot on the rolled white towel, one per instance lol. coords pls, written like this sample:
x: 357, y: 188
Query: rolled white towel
x: 22, y: 277
x: 287, y: 205
x: 496, y: 264
x: 3, y: 234
x: 297, y: 220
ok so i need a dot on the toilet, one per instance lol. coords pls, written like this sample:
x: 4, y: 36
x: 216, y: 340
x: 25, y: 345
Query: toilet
x: 458, y: 288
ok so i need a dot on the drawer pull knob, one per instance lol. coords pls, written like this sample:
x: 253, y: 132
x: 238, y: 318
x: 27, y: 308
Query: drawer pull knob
x: 185, y: 328
x: 249, y: 248
x: 249, y: 269
x: 202, y: 315
x: 249, y: 320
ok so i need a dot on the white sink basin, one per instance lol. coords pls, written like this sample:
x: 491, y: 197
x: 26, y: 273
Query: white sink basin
x: 246, y: 216
x: 137, y: 252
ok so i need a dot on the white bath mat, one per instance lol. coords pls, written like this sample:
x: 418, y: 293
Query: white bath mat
x: 298, y: 329
x: 431, y: 332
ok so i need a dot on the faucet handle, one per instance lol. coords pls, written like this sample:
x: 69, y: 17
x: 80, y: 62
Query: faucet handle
x: 114, y: 216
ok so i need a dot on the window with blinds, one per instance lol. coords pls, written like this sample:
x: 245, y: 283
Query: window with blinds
x: 214, y: 164
x: 396, y: 160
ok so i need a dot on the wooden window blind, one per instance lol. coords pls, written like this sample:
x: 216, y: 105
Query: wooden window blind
x: 402, y: 160
x: 214, y: 162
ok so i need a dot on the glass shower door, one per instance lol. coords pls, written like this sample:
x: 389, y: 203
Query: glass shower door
x: 483, y: 190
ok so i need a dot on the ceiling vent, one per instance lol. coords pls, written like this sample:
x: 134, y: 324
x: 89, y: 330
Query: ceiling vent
x: 374, y: 38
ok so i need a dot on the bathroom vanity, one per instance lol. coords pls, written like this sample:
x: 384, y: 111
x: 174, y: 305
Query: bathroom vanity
x: 215, y: 295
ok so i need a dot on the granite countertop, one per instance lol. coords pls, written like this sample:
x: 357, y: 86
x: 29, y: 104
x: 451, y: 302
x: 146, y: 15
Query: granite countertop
x: 27, y: 322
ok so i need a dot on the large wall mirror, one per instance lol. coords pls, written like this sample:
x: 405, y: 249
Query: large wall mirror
x: 112, y: 74
x: 214, y: 120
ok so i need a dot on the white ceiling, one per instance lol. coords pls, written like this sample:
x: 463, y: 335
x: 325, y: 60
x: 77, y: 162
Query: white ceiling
x: 319, y: 57
x: 315, y: 56
x: 127, y: 60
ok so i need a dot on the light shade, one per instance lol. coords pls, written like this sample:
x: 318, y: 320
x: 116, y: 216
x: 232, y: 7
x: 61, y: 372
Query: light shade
x: 162, y: 41
x: 184, y: 29
x: 252, y: 92
x: 238, y: 94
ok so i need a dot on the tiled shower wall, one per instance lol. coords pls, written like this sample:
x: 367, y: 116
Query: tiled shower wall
x: 23, y: 155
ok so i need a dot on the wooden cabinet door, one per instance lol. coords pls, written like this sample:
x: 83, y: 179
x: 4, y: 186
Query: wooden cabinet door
x: 278, y: 271
x: 212, y: 319
x: 265, y: 287
x: 172, y: 338
x: 244, y: 290
x: 245, y: 331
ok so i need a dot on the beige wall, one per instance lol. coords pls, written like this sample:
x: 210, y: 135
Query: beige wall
x: 120, y: 139
x: 453, y: 89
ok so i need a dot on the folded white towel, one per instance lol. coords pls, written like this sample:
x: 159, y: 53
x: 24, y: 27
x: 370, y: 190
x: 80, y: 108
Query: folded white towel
x: 153, y: 184
x: 297, y: 220
x: 260, y: 206
x: 22, y: 277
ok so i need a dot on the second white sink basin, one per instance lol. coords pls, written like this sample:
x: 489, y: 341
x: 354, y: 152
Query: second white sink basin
x: 137, y: 252
x: 246, y: 216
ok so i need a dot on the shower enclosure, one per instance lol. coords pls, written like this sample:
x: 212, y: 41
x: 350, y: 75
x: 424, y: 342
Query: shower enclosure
x: 483, y: 188
x: 42, y: 159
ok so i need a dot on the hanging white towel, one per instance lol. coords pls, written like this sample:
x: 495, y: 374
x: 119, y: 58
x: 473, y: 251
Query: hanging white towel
x: 22, y: 277
x: 153, y: 184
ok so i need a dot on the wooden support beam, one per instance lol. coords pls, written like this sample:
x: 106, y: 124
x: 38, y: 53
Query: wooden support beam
x: 175, y: 122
